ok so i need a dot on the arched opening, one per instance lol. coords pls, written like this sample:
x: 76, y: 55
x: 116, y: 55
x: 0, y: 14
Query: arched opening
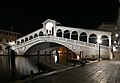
x: 0, y: 40
x: 63, y: 55
x: 40, y: 33
x: 59, y: 33
x: 18, y: 42
x: 67, y: 34
x: 60, y: 53
x: 22, y: 41
x: 26, y: 39
x: 1, y: 48
x: 105, y: 40
x: 93, y: 38
x: 74, y: 35
x: 83, y: 37
x: 36, y: 35
x: 31, y: 37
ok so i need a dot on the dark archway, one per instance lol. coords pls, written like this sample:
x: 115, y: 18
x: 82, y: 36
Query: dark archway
x: 59, y: 33
x: 59, y: 52
x: 0, y: 40
x: 1, y: 48
x: 93, y: 38
x: 31, y: 37
x: 83, y: 37
x: 40, y: 33
x: 67, y: 34
x: 74, y: 35
x: 18, y: 42
x: 105, y: 40
x: 22, y: 41
x: 36, y: 35
x: 26, y: 39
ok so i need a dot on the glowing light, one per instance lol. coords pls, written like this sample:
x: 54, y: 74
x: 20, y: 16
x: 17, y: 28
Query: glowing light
x: 59, y: 52
x: 99, y: 37
x: 55, y: 58
x: 49, y: 25
x: 116, y: 35
x: 78, y: 57
x: 12, y: 43
x: 115, y: 42
x: 99, y: 41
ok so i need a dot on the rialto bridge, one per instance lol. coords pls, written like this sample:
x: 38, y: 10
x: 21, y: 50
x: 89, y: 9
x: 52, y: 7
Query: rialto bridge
x: 53, y: 36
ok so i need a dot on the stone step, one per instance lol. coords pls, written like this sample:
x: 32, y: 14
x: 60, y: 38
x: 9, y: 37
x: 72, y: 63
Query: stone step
x: 116, y: 55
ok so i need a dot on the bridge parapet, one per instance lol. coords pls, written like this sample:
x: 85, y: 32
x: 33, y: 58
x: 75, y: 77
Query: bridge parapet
x: 48, y: 38
x: 74, y: 45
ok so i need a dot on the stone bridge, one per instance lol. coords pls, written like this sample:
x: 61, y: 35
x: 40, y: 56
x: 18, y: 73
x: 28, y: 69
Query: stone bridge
x: 75, y: 39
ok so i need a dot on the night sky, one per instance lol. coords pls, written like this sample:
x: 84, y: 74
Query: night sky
x: 26, y: 18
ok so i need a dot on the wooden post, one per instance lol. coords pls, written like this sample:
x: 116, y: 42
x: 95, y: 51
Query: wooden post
x: 38, y: 55
x: 80, y: 55
x: 45, y: 55
x: 67, y: 56
x: 9, y: 59
x: 50, y: 56
x: 13, y: 63
x: 31, y: 74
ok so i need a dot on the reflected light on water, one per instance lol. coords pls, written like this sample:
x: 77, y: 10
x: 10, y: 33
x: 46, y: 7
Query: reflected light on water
x: 24, y: 65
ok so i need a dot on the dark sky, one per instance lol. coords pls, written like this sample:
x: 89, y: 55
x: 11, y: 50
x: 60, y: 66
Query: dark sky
x: 26, y: 18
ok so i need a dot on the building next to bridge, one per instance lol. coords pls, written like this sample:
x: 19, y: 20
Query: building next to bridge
x: 7, y: 37
x: 75, y: 42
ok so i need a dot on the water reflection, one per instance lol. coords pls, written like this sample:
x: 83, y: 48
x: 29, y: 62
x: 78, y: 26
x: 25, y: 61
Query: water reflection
x: 4, y: 69
x: 23, y: 65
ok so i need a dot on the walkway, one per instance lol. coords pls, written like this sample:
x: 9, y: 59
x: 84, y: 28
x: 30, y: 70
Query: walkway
x: 98, y: 72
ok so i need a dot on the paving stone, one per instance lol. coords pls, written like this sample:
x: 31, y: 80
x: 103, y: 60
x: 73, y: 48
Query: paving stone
x: 107, y: 71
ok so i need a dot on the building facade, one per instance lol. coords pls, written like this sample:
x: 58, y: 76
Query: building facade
x: 7, y: 37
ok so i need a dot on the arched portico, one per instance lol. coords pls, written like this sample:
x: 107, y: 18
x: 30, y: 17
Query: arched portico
x: 93, y: 38
x: 83, y: 37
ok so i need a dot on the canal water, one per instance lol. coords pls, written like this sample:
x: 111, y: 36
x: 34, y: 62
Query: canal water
x: 23, y: 65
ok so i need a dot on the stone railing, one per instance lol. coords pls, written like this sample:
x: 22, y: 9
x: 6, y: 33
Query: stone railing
x: 60, y: 40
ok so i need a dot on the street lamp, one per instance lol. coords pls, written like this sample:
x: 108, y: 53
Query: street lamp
x: 99, y: 41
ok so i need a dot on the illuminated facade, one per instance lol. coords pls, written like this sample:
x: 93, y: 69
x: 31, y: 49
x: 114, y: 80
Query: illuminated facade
x: 7, y: 37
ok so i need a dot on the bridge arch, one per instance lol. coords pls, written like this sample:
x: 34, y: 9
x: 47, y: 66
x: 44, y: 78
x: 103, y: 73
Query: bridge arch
x: 83, y: 37
x: 66, y: 34
x: 105, y: 40
x: 18, y: 42
x: 93, y: 38
x: 40, y: 33
x: 44, y: 46
x: 59, y: 33
x: 36, y: 35
x: 22, y: 40
x: 31, y: 37
x: 26, y: 39
x: 74, y: 35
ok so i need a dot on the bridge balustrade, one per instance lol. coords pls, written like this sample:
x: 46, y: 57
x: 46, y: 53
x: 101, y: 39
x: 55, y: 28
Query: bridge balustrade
x: 80, y: 42
x: 104, y: 47
x: 91, y: 44
x: 59, y: 39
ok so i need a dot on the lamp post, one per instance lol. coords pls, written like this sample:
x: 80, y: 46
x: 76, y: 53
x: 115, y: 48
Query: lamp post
x: 99, y: 41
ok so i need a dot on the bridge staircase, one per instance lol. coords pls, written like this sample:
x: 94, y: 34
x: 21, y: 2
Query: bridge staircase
x: 46, y: 66
x: 116, y: 55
